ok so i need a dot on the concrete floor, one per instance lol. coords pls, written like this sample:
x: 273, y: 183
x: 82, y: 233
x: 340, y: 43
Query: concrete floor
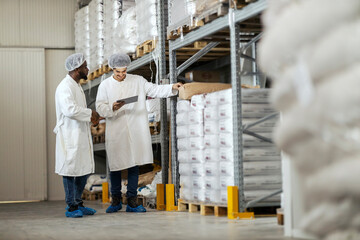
x: 46, y: 220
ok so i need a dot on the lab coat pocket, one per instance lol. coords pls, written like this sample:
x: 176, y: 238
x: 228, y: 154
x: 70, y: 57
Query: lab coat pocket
x: 72, y: 137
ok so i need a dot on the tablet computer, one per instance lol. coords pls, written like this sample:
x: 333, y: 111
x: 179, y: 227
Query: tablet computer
x: 128, y: 100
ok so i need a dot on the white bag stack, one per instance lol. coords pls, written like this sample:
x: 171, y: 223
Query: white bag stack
x: 96, y: 19
x: 146, y: 20
x: 82, y: 33
x: 261, y: 166
x: 190, y: 142
x: 178, y: 15
x: 112, y: 13
x: 261, y: 160
x: 126, y: 32
x: 316, y: 87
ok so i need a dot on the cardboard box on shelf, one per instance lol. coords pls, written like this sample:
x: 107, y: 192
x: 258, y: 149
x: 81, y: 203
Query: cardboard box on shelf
x: 203, y: 76
x: 190, y: 89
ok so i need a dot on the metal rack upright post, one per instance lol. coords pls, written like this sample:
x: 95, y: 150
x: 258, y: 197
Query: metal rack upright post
x: 231, y: 20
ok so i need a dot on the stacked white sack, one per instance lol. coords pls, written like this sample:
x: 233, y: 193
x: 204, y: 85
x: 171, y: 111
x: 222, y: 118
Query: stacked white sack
x: 207, y: 164
x: 126, y: 36
x: 82, y: 32
x: 112, y: 13
x: 146, y: 20
x: 126, y: 4
x: 96, y: 18
x: 178, y: 15
x: 316, y: 86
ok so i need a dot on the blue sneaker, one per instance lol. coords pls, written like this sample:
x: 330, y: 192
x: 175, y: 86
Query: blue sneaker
x: 74, y: 214
x: 139, y: 208
x: 87, y: 210
x: 115, y: 206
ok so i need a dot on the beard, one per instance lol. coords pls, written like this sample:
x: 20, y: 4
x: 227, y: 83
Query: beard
x: 83, y: 76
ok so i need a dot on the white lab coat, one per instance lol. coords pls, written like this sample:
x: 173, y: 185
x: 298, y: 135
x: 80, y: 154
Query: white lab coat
x: 128, y: 140
x: 74, y: 148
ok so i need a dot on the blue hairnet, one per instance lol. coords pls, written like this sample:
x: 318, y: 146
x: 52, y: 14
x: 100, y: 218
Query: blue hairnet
x: 119, y: 60
x: 74, y: 61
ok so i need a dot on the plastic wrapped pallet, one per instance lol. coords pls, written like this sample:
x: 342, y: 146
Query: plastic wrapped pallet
x: 178, y: 15
x: 203, y: 5
x: 112, y: 13
x: 96, y: 24
x: 146, y: 20
x: 198, y: 195
x: 212, y: 182
x: 82, y: 32
x: 212, y: 196
x: 126, y: 36
x: 186, y: 193
x: 126, y: 4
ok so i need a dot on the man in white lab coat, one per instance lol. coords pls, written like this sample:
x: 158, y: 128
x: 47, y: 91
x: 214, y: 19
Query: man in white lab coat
x: 128, y: 140
x: 74, y: 149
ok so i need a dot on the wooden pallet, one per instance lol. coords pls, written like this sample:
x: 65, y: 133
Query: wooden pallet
x: 98, y: 139
x: 203, y: 208
x: 144, y: 48
x: 176, y: 33
x: 83, y: 81
x: 106, y: 68
x: 90, y: 196
x: 280, y: 216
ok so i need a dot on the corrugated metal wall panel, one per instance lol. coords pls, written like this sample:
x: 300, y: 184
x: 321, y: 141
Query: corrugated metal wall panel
x: 9, y: 22
x: 47, y: 23
x: 11, y: 137
x: 34, y: 123
x: 37, y: 23
x: 23, y: 144
x: 54, y: 73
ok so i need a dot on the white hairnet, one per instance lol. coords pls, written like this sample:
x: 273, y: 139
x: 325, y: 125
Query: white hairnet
x: 119, y: 60
x: 74, y: 61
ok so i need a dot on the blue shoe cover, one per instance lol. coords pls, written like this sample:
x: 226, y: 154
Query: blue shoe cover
x: 74, y: 214
x: 112, y: 209
x: 137, y: 209
x: 87, y: 210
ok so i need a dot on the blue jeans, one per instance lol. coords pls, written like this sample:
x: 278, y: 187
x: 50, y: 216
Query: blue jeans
x: 133, y: 178
x: 74, y: 187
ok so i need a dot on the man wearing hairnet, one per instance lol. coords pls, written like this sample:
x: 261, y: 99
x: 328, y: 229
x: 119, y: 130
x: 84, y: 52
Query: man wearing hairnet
x: 74, y: 148
x: 128, y: 140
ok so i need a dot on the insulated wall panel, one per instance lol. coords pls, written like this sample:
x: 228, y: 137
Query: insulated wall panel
x: 23, y: 134
x: 37, y: 23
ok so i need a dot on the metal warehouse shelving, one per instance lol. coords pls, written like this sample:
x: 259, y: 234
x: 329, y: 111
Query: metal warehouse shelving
x: 230, y: 20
